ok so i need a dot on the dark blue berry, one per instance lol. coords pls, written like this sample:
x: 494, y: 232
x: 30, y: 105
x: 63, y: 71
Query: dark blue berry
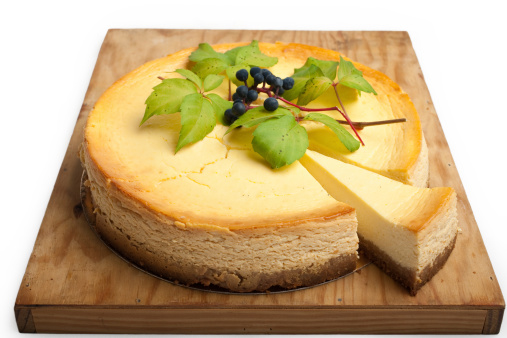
x: 265, y: 72
x: 278, y: 82
x: 258, y: 78
x: 252, y: 95
x: 242, y: 75
x: 235, y: 97
x: 238, y: 108
x: 271, y: 104
x: 270, y: 79
x: 229, y: 117
x: 254, y: 70
x: 288, y: 83
x: 280, y: 91
x: 242, y: 91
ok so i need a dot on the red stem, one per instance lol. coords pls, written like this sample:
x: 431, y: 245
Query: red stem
x: 267, y: 91
x: 264, y: 90
x: 345, y: 115
x: 354, y: 125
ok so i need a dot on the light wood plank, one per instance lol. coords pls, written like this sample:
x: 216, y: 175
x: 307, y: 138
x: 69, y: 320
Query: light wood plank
x: 70, y: 266
x: 318, y: 321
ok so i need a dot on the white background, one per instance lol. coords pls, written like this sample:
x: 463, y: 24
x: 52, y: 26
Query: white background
x: 48, y: 50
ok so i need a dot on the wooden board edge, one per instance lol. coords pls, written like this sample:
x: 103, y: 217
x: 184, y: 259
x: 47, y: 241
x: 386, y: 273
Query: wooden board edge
x: 493, y: 321
x: 24, y: 319
x: 259, y: 321
x: 69, y: 152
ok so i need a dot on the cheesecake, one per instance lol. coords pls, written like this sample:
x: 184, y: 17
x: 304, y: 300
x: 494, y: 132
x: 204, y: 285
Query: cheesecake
x: 216, y: 213
x: 407, y: 231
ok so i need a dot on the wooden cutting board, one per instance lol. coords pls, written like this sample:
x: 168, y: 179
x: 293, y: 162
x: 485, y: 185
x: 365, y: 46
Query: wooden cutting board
x: 74, y: 284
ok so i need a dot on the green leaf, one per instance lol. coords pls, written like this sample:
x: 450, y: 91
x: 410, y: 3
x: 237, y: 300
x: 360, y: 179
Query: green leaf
x: 220, y: 105
x: 231, y: 74
x: 328, y: 68
x: 345, y: 137
x: 212, y: 81
x: 209, y: 66
x: 293, y: 110
x: 166, y: 97
x: 255, y: 116
x: 280, y: 141
x: 350, y: 76
x: 191, y: 76
x: 197, y: 119
x: 205, y: 51
x: 346, y: 68
x: 358, y: 82
x: 252, y: 56
x: 300, y: 78
x: 233, y: 53
x: 313, y: 89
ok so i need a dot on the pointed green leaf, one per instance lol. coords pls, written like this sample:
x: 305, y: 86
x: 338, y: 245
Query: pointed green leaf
x: 308, y: 72
x: 255, y: 116
x: 313, y: 89
x: 346, y: 68
x: 205, y: 51
x: 280, y: 141
x: 220, y: 105
x: 350, y: 76
x: 209, y: 66
x: 197, y: 119
x: 166, y: 97
x: 231, y: 74
x: 233, y: 53
x: 300, y: 78
x: 191, y: 76
x: 328, y: 68
x: 251, y: 55
x: 358, y: 82
x: 212, y: 81
x: 345, y: 137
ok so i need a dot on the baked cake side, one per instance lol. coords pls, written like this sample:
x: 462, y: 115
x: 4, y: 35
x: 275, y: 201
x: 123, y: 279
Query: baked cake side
x: 285, y: 254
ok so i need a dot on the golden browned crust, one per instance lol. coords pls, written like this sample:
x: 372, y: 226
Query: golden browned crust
x: 408, y: 278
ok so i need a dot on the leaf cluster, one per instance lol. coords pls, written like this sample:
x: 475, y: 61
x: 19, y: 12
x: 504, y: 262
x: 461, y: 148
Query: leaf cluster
x: 278, y: 137
x: 316, y: 76
x: 208, y: 61
x: 199, y: 111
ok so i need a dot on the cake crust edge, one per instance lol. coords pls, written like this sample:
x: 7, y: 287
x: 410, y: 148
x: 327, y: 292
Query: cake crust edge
x: 406, y: 277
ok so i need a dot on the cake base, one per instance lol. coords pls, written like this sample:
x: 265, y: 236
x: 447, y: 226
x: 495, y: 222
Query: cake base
x: 406, y: 277
x: 209, y: 279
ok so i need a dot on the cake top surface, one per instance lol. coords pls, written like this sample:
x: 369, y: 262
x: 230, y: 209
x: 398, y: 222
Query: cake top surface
x: 220, y: 181
x: 390, y: 201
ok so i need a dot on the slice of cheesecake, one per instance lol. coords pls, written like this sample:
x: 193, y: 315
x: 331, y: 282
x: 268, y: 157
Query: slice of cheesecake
x: 407, y: 231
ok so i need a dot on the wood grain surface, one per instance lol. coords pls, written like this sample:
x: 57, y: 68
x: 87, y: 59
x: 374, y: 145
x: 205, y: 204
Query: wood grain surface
x: 73, y: 283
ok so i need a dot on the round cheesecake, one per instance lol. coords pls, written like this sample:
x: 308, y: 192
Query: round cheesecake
x: 215, y: 212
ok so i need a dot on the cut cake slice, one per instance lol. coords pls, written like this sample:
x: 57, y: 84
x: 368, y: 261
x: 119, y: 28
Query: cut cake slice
x: 409, y: 232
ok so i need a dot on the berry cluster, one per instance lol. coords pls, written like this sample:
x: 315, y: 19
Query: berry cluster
x: 245, y: 95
